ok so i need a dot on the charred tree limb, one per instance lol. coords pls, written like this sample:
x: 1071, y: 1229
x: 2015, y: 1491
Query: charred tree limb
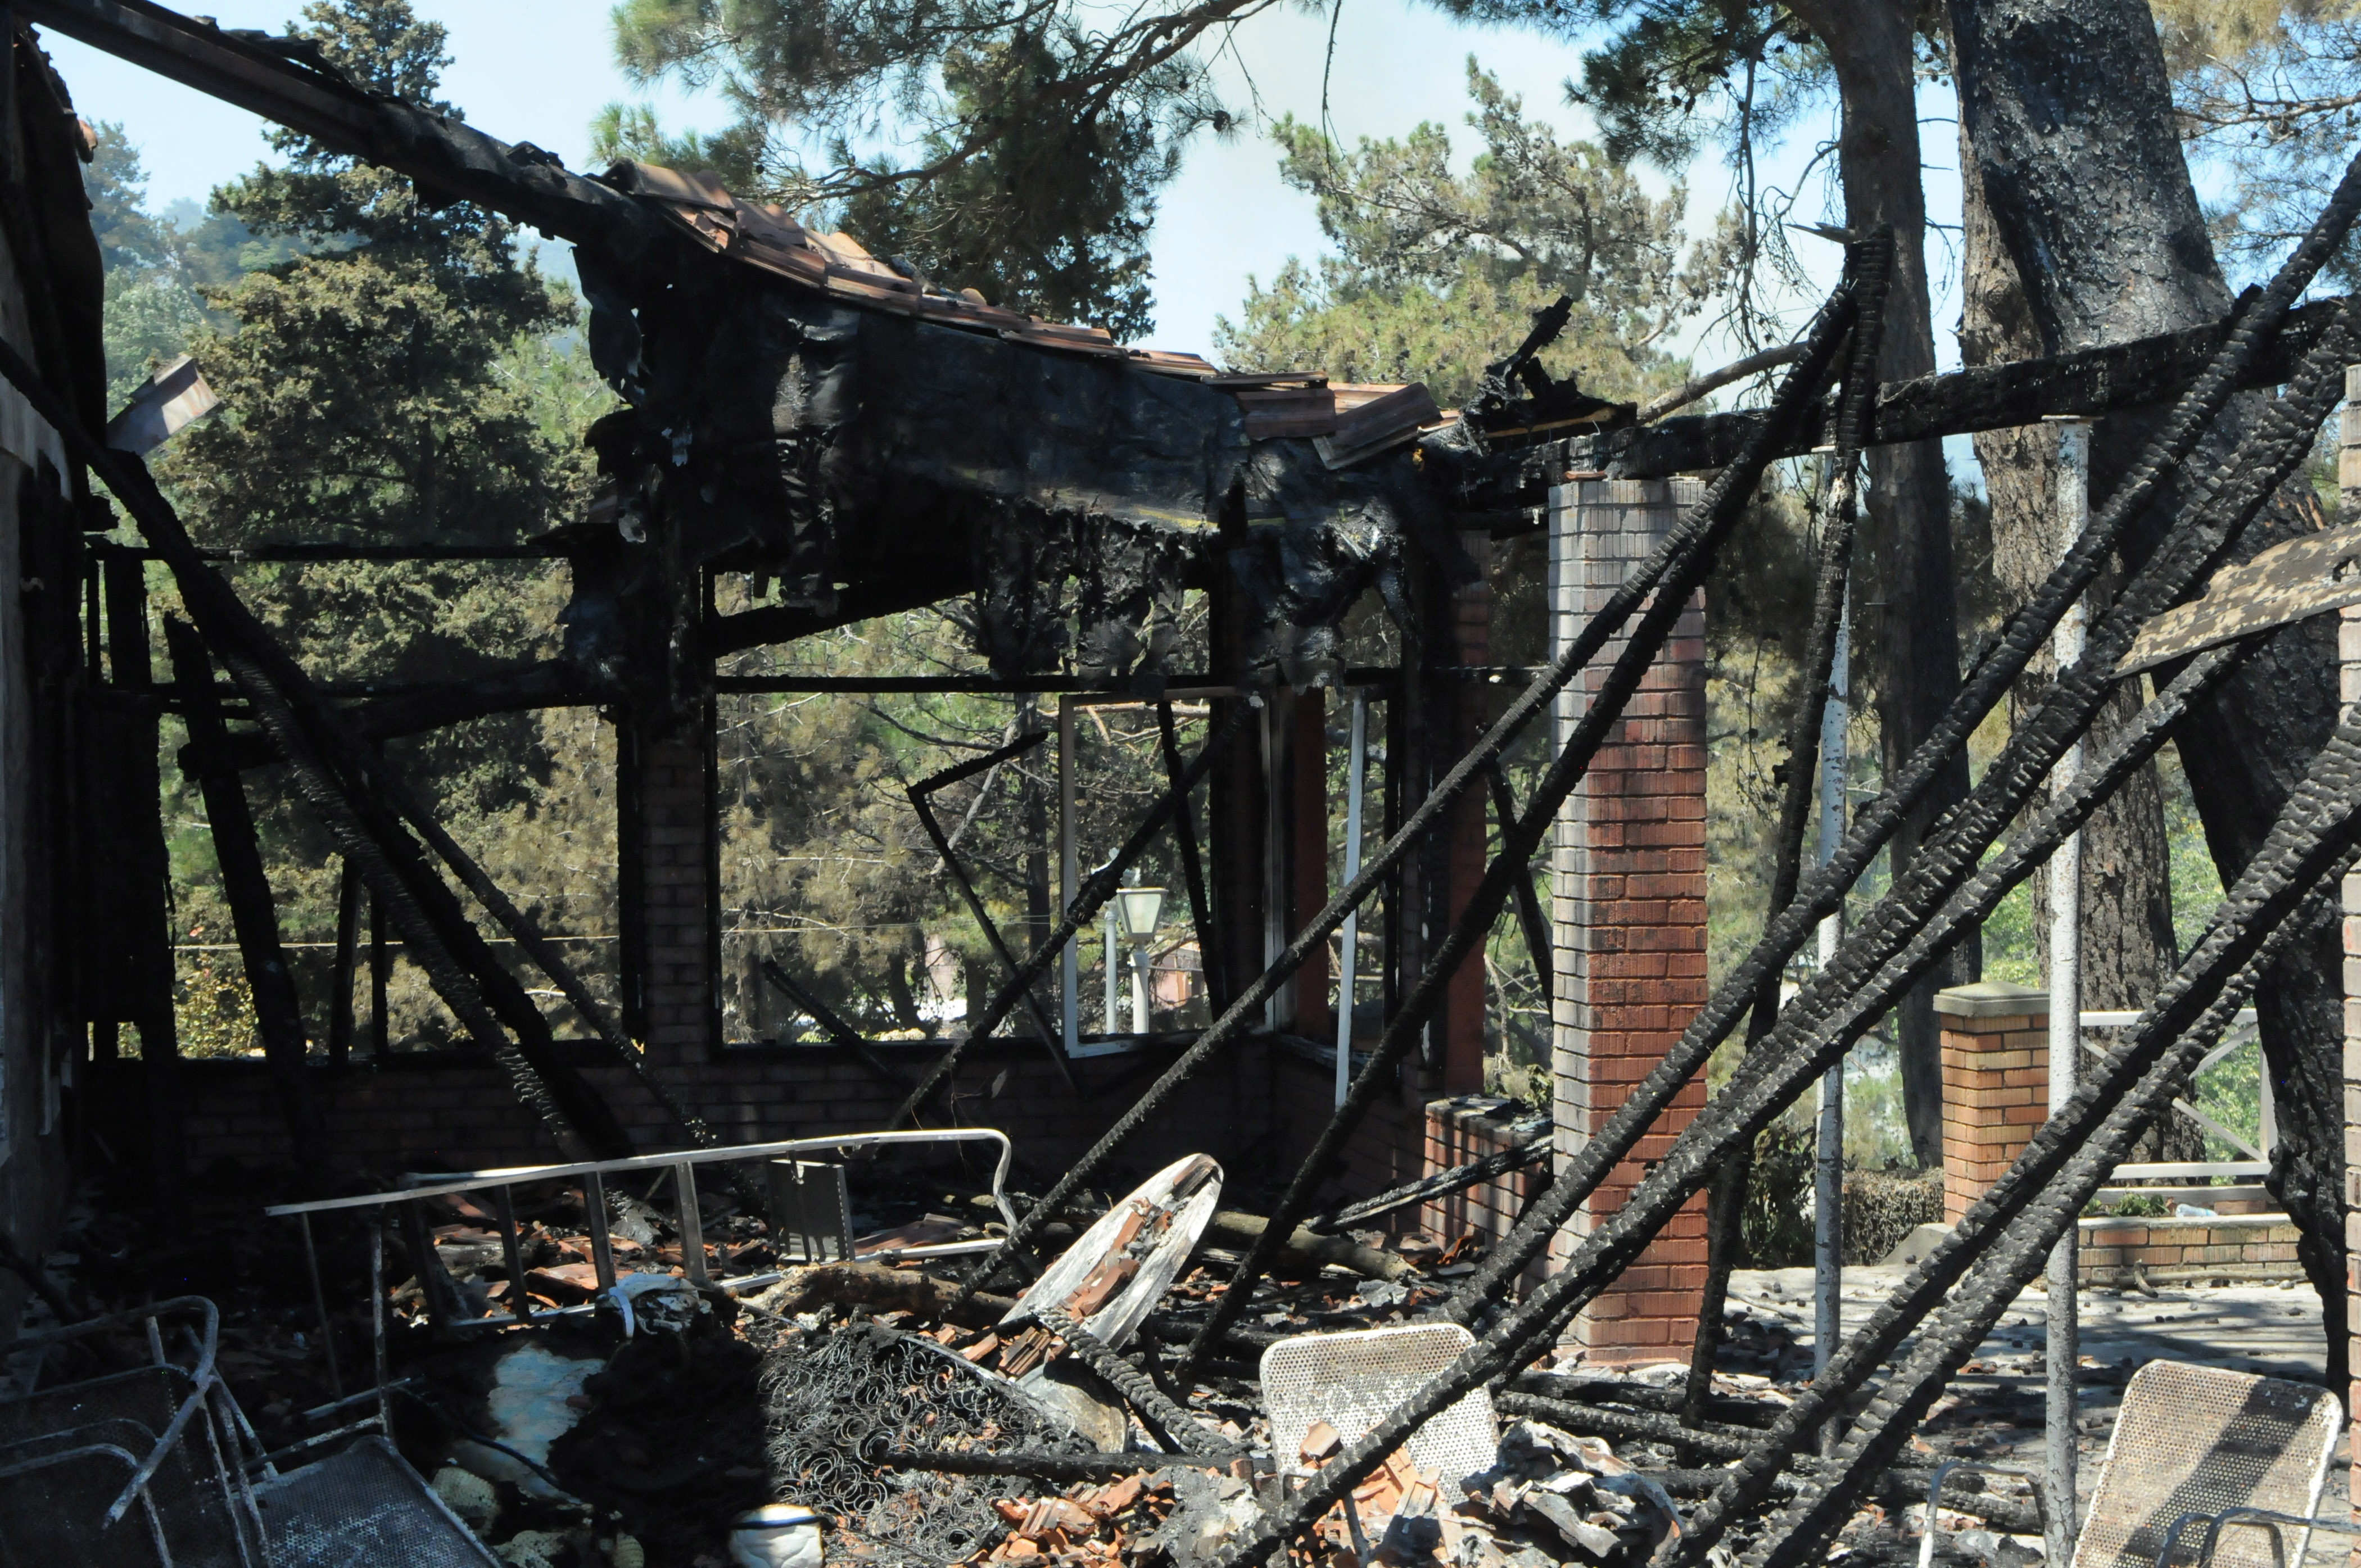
x: 1532, y: 1151
x: 1725, y: 1202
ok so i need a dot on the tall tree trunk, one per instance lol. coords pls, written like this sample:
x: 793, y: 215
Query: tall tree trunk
x: 2127, y: 943
x: 1905, y: 620
x: 2067, y: 114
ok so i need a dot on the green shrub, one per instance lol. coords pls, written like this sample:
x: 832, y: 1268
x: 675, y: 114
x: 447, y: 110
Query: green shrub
x: 1772, y: 1225
x: 1881, y: 1206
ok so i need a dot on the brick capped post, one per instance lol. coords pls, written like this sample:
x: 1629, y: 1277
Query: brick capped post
x: 1996, y: 1083
x: 1627, y: 881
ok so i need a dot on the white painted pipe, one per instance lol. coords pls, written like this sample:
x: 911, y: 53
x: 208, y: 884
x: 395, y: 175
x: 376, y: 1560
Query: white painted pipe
x: 2060, y: 1440
x: 1827, y: 1170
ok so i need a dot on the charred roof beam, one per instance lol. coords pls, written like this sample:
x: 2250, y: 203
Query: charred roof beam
x: 447, y: 155
x: 2094, y: 381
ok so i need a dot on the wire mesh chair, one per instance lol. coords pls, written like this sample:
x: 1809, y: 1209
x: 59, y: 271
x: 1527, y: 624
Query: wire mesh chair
x: 2198, y: 1443
x: 163, y: 1438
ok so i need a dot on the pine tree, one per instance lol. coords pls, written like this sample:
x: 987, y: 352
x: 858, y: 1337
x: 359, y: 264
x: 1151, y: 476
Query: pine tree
x: 1436, y: 274
x: 392, y: 371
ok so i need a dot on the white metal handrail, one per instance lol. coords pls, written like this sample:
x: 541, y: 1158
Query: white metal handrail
x: 679, y: 1164
x: 2241, y: 1033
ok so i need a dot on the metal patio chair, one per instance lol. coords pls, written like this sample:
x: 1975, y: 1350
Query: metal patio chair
x: 2244, y: 1456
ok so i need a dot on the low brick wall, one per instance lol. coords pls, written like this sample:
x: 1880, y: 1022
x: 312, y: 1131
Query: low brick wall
x: 2240, y: 1248
x: 1401, y: 1141
x: 1469, y: 1128
x: 448, y: 1113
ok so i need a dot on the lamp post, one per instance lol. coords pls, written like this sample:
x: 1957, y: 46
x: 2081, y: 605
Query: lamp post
x: 1143, y: 909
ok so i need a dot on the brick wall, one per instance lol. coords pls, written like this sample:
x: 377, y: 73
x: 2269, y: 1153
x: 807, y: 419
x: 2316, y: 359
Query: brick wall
x: 1628, y: 895
x: 1402, y: 1140
x: 671, y: 942
x: 438, y: 1114
x: 2238, y: 1248
x: 1995, y: 1041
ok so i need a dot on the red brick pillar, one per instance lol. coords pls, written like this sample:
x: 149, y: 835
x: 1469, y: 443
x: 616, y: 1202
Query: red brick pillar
x: 670, y: 897
x: 1996, y: 1083
x: 1628, y: 896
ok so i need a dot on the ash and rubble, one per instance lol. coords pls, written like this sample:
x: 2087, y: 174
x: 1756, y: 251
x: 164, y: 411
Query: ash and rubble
x: 822, y: 1396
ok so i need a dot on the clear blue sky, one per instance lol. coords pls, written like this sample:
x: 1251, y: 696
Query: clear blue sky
x: 538, y: 71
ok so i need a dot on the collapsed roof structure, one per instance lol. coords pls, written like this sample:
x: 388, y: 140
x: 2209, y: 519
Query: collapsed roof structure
x: 797, y: 407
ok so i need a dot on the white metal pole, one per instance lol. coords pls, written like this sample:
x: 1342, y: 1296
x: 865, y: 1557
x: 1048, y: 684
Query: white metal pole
x: 2061, y: 1446
x: 1070, y: 962
x: 1109, y: 937
x: 1355, y: 757
x: 1140, y: 989
x: 1827, y: 1172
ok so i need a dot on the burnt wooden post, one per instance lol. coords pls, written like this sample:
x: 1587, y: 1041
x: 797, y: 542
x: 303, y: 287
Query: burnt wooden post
x: 278, y: 1013
x: 130, y: 776
x: 670, y: 896
x: 381, y: 972
x: 1307, y: 871
x: 1466, y: 640
x: 1237, y: 811
x: 340, y: 988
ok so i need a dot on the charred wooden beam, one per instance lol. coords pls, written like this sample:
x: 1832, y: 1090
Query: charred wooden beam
x: 282, y: 80
x: 2095, y: 381
x: 861, y: 601
x: 422, y: 707
x: 278, y: 1013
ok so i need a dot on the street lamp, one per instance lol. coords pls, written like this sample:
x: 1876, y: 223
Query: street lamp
x: 1143, y: 908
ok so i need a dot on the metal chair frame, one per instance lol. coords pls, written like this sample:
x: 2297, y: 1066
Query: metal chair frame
x: 2263, y: 1519
x: 202, y: 1377
x: 1943, y: 1473
x: 131, y: 1462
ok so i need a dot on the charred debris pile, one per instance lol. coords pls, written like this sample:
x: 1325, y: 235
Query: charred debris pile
x: 866, y: 1408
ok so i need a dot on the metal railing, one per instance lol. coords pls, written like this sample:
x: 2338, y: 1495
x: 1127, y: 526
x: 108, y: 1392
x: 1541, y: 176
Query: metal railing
x: 2242, y: 1032
x: 592, y: 1176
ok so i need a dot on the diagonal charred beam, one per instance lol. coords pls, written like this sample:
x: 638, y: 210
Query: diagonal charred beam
x: 2095, y: 381
x: 309, y: 96
x: 278, y: 1014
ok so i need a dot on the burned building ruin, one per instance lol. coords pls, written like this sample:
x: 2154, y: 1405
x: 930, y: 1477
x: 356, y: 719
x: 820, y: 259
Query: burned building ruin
x: 833, y: 425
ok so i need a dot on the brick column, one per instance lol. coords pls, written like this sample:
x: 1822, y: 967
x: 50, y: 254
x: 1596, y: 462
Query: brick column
x: 669, y: 893
x: 1995, y: 1082
x: 1627, y: 881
